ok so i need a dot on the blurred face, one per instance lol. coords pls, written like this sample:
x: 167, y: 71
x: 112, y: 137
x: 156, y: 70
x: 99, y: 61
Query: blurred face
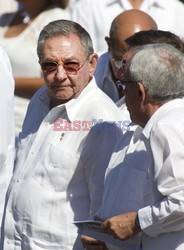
x: 131, y: 88
x: 66, y: 68
x: 124, y: 63
x: 116, y: 57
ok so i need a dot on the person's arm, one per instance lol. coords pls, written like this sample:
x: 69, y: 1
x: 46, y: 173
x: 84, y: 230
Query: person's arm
x: 26, y: 87
x: 167, y: 215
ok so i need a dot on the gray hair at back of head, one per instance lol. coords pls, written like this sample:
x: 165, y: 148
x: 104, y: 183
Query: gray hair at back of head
x: 64, y: 28
x: 160, y: 68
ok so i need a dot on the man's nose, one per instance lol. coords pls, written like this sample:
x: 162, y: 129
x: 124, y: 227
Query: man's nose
x: 60, y: 73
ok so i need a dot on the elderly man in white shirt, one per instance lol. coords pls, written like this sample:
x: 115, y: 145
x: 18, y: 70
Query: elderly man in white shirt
x: 123, y: 26
x: 98, y: 15
x: 146, y: 196
x: 65, y: 146
x: 7, y: 133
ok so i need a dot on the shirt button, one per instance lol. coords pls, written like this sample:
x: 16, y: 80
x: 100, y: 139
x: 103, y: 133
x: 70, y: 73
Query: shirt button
x: 8, y: 242
x: 18, y: 180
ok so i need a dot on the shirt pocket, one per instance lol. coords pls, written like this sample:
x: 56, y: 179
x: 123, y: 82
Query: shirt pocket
x: 59, y: 168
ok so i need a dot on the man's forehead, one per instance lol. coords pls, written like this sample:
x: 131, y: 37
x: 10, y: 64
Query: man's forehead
x: 70, y: 38
x: 64, y: 44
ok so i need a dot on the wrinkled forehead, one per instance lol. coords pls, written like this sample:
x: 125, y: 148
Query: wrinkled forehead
x: 64, y: 46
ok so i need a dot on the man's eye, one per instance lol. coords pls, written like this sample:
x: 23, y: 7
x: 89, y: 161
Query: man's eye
x: 48, y: 66
x: 71, y: 65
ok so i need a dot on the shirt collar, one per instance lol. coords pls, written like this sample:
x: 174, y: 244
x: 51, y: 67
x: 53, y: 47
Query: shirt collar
x: 159, y: 114
x: 71, y: 108
x: 74, y: 107
x: 110, y: 2
x: 157, y: 3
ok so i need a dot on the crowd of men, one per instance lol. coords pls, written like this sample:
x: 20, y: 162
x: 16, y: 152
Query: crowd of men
x: 102, y: 140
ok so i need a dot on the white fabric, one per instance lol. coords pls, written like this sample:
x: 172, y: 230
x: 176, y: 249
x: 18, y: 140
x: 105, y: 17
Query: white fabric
x: 8, y: 6
x: 121, y: 104
x: 123, y: 181
x: 147, y: 175
x: 22, y: 52
x: 99, y: 14
x: 7, y: 135
x: 59, y: 180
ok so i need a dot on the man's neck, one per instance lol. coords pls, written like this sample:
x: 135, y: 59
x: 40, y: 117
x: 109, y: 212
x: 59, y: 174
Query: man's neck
x: 136, y: 4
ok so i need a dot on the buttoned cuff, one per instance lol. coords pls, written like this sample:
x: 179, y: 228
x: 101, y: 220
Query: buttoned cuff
x: 146, y: 222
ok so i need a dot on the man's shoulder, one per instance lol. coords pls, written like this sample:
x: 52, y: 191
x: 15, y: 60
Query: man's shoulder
x: 103, y: 60
x: 167, y: 117
x: 102, y: 69
x: 41, y: 93
x: 101, y: 104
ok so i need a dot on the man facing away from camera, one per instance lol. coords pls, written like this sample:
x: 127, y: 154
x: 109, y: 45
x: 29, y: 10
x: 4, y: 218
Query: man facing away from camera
x: 144, y: 184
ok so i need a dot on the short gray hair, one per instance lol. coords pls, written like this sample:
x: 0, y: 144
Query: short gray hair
x: 160, y: 68
x: 64, y: 28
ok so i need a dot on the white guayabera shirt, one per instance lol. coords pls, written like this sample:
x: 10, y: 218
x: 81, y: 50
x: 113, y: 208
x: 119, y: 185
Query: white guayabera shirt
x: 59, y: 174
x: 7, y: 135
x: 146, y: 174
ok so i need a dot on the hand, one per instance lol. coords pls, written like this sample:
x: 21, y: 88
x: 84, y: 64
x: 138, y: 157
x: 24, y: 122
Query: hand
x: 92, y: 244
x: 121, y: 227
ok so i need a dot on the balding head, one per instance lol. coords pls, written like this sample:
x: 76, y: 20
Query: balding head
x: 130, y: 22
x: 123, y: 26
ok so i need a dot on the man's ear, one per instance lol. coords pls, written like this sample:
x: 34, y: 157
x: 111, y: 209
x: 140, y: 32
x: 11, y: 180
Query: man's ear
x: 108, y: 41
x: 93, y: 59
x: 142, y: 93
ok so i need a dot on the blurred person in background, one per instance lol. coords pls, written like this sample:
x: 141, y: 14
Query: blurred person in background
x: 7, y: 131
x: 18, y: 36
x: 99, y: 14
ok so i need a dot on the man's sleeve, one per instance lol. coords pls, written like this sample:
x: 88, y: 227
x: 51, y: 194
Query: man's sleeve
x: 167, y: 215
